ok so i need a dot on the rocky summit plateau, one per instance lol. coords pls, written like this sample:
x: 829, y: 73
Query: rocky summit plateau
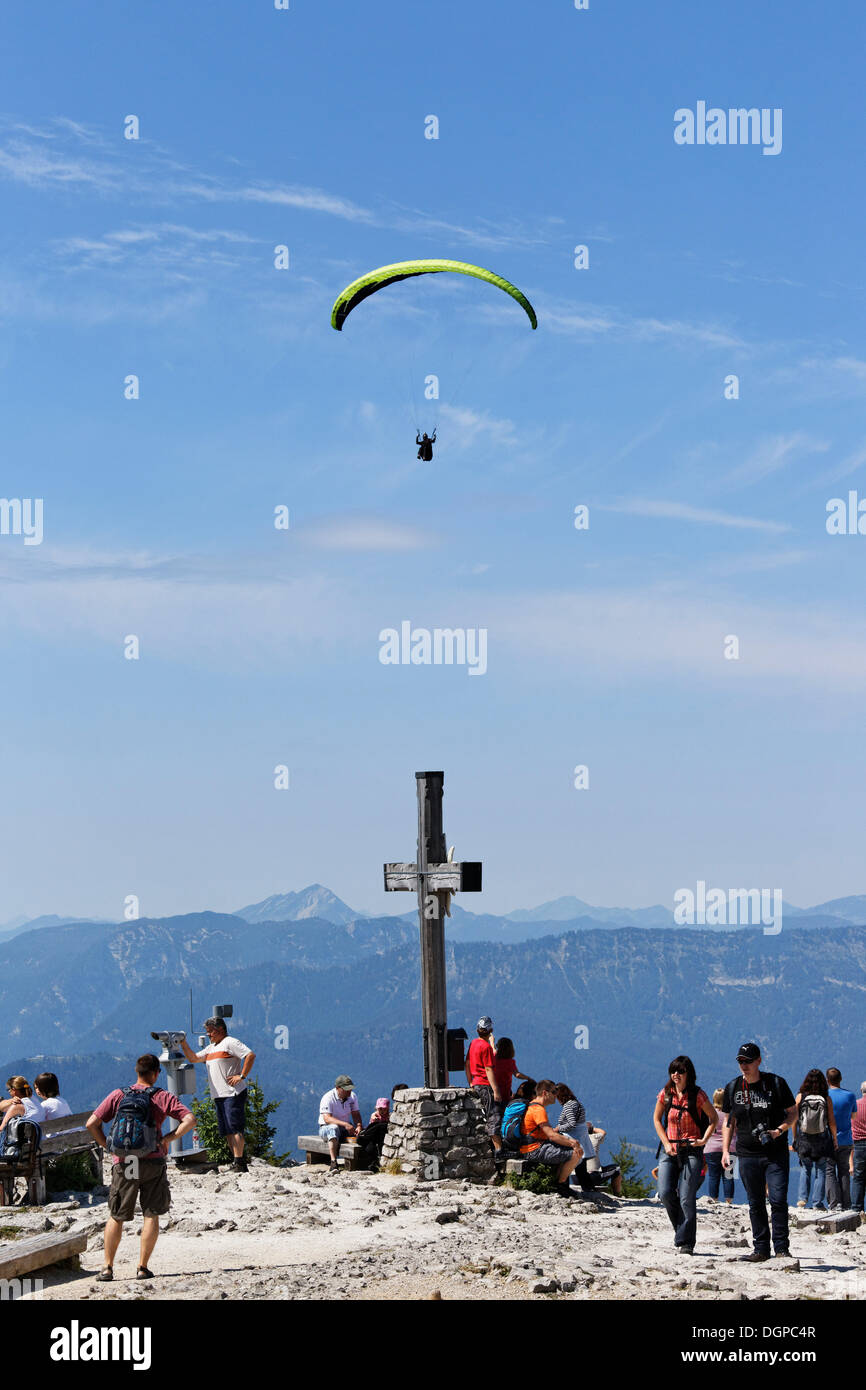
x: 303, y: 1233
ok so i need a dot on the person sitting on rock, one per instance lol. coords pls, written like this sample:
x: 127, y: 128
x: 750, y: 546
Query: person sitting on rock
x: 543, y: 1144
x: 372, y: 1136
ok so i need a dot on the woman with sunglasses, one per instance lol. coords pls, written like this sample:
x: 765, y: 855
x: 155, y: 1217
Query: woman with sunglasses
x: 684, y: 1120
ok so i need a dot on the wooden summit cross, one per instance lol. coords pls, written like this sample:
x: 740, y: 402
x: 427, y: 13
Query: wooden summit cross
x: 434, y: 878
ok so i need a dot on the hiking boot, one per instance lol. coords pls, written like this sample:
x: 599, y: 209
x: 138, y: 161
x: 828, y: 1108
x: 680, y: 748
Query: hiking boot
x: 240, y: 1165
x: 564, y: 1189
x: 684, y: 1249
x: 105, y: 1275
x: 334, y: 1167
x: 756, y: 1257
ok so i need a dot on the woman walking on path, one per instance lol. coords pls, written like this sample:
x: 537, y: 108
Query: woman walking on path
x: 713, y: 1151
x: 814, y: 1138
x: 683, y: 1133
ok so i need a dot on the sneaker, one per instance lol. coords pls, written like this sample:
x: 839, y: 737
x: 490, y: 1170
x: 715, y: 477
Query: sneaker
x: 782, y: 1255
x: 729, y: 1201
x: 105, y: 1275
x: 684, y: 1249
x: 334, y: 1168
x: 755, y: 1258
x: 711, y: 1201
x: 801, y: 1204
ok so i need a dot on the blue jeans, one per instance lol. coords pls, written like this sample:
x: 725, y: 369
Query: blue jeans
x: 758, y: 1173
x: 679, y: 1181
x: 838, y: 1179
x: 858, y: 1181
x: 716, y: 1174
x: 813, y: 1173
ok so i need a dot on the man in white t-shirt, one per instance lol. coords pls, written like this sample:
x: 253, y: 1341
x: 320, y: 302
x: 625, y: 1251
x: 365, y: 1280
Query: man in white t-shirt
x: 339, y: 1117
x: 47, y: 1088
x: 229, y: 1063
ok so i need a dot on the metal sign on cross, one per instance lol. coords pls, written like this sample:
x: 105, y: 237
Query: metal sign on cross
x: 434, y: 878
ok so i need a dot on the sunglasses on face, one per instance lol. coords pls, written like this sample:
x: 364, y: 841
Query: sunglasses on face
x: 678, y: 1071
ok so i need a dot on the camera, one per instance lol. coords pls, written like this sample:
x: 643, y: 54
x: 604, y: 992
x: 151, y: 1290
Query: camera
x: 761, y: 1132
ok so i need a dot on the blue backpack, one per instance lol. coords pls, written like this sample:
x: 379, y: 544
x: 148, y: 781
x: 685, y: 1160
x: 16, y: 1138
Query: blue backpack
x: 512, y: 1124
x: 133, y: 1133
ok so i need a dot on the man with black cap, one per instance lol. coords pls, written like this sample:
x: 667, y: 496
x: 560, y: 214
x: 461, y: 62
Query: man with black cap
x: 761, y: 1109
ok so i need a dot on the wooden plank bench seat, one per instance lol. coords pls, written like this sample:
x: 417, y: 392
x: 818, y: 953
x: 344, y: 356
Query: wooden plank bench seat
x: 317, y: 1151
x: 19, y: 1257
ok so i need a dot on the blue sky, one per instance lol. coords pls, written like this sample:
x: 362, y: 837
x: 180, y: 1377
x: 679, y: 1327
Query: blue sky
x: 261, y: 647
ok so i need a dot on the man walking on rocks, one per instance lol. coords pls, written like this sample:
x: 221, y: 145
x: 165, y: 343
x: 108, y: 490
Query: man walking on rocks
x: 761, y: 1110
x: 229, y: 1063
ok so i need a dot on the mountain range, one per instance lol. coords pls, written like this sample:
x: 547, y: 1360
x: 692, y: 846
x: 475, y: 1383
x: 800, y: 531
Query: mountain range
x: 566, y: 913
x: 82, y: 998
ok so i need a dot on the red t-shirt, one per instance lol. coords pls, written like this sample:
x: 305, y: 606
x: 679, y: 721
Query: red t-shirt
x: 480, y: 1056
x: 504, y: 1068
x: 680, y: 1123
x: 161, y: 1102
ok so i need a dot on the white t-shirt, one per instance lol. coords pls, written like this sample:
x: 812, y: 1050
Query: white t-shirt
x: 55, y: 1107
x: 32, y: 1109
x: 224, y: 1059
x: 340, y: 1109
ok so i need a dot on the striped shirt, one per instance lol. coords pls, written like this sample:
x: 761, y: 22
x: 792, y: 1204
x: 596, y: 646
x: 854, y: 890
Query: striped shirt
x: 858, y: 1122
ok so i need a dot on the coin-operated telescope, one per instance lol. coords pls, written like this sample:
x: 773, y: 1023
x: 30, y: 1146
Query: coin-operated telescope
x: 179, y: 1081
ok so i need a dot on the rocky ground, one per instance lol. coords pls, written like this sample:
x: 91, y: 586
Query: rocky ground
x: 300, y: 1233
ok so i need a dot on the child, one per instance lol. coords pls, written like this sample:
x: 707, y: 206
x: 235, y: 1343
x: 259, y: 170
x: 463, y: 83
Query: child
x: 382, y: 1113
x: 504, y: 1070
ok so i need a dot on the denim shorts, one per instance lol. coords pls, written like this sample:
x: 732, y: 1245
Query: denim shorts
x: 231, y: 1113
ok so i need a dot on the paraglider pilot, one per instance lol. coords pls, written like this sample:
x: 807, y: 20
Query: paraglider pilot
x: 425, y: 452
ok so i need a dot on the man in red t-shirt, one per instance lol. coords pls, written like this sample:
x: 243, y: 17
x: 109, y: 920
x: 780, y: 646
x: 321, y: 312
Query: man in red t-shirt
x: 142, y: 1178
x: 481, y: 1076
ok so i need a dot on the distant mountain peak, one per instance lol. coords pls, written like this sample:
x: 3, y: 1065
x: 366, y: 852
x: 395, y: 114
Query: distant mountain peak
x: 313, y: 901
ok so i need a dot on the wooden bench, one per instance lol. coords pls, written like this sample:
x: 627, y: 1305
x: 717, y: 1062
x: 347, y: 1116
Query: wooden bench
x: 19, y: 1257
x: 317, y: 1151
x: 60, y: 1139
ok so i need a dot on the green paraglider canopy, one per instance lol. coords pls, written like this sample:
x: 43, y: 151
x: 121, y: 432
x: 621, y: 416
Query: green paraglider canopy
x: 376, y: 280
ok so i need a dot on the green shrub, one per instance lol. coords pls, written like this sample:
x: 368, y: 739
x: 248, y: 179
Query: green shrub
x: 259, y: 1134
x: 71, y: 1173
x: 634, y: 1184
x: 541, y: 1180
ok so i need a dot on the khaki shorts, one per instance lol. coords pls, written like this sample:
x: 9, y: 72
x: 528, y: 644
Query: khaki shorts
x: 151, y: 1187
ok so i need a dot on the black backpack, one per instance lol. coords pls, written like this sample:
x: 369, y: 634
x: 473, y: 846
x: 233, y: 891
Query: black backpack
x: 23, y: 1136
x: 133, y: 1133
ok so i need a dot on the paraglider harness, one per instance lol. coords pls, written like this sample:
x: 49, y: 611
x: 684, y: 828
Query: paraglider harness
x: 425, y: 452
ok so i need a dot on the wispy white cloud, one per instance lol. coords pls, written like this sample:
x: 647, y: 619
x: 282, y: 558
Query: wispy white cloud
x: 681, y: 511
x: 596, y: 321
x: 470, y: 426
x: 773, y: 454
x: 375, y: 534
